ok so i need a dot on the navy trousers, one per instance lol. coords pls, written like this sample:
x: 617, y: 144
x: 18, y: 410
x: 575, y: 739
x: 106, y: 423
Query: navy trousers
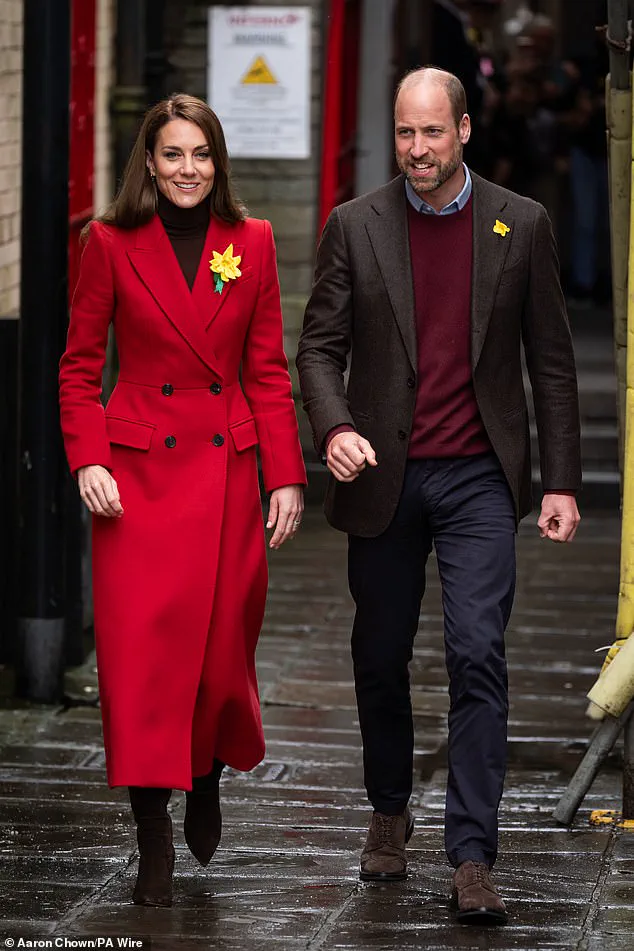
x: 462, y: 507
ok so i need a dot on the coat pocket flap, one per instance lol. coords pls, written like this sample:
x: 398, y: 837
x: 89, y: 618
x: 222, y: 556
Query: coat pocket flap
x: 129, y: 432
x: 244, y: 434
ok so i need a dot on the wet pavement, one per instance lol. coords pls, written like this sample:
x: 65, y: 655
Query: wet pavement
x: 285, y: 876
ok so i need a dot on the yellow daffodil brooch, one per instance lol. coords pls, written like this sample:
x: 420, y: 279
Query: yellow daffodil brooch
x: 500, y: 228
x: 224, y: 267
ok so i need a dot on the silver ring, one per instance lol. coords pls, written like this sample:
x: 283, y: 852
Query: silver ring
x: 297, y: 521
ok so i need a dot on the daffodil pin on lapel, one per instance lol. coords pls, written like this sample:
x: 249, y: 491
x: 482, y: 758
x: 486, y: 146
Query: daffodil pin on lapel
x: 500, y: 228
x: 224, y: 267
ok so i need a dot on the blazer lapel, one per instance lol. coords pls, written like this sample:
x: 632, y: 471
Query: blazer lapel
x: 155, y: 262
x: 489, y: 254
x: 388, y: 234
x: 206, y: 299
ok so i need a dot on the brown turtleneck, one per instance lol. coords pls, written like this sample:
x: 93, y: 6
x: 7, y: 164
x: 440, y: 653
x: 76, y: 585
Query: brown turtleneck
x: 187, y: 229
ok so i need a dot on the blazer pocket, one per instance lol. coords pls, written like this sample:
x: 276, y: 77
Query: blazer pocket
x: 129, y: 432
x: 246, y: 274
x: 513, y: 264
x: 244, y: 434
x: 514, y: 273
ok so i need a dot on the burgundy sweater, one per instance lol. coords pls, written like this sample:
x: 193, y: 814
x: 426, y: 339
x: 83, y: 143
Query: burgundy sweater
x: 446, y: 417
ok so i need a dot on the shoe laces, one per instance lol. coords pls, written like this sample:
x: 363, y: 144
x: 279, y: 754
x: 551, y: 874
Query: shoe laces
x: 385, y: 827
x: 482, y: 875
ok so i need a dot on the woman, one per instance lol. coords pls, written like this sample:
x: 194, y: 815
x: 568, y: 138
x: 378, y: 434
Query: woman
x: 169, y: 472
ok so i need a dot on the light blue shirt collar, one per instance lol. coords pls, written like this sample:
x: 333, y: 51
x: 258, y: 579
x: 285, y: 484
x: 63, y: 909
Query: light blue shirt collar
x: 456, y: 205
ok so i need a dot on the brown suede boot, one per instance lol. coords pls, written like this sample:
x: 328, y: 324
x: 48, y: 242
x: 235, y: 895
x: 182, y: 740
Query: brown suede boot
x: 203, y: 818
x: 383, y: 857
x: 475, y: 897
x: 156, y: 862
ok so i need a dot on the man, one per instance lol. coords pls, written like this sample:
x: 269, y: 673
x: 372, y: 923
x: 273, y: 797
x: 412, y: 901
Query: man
x: 430, y: 284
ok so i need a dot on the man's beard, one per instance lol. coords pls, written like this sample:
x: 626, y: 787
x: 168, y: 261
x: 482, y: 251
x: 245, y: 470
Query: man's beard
x: 443, y: 173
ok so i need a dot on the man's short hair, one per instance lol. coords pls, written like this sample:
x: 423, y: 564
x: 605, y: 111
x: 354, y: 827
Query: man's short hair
x: 450, y: 83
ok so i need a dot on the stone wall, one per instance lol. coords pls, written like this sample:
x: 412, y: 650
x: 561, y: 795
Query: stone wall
x: 284, y: 191
x: 10, y: 154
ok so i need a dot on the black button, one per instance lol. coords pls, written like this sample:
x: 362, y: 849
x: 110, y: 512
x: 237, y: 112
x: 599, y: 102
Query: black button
x: 167, y: 389
x: 218, y: 440
x: 170, y: 442
x: 216, y: 389
x: 402, y: 434
x: 411, y: 382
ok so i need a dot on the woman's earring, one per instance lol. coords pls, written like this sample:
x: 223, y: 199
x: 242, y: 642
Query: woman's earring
x: 153, y: 177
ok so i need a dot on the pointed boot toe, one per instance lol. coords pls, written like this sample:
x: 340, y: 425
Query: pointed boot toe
x: 203, y: 824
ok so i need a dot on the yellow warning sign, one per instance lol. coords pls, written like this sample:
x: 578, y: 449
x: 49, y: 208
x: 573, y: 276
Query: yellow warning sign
x: 259, y: 73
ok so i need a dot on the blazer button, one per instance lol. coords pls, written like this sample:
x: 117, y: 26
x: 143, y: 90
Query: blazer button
x: 411, y: 382
x: 218, y: 440
x: 170, y: 442
x: 167, y: 389
x: 216, y: 389
x: 402, y: 434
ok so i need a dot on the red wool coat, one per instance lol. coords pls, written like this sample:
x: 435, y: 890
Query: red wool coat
x: 180, y: 580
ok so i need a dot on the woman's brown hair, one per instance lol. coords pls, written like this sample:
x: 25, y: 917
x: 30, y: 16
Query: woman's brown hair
x: 135, y: 202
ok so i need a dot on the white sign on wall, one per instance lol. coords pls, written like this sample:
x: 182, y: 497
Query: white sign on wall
x: 258, y: 78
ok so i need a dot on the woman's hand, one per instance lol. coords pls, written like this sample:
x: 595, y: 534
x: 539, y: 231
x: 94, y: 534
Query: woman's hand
x: 285, y: 513
x: 99, y: 491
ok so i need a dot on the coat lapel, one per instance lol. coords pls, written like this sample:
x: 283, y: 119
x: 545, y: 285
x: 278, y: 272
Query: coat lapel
x: 155, y: 262
x: 207, y: 302
x: 489, y: 254
x: 387, y: 230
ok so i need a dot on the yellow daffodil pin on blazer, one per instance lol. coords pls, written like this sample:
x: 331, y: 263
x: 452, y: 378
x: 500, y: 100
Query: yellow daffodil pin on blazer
x: 500, y: 228
x: 224, y: 267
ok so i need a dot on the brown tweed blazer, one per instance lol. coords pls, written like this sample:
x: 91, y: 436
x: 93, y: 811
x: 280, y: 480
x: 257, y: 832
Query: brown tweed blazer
x: 361, y: 311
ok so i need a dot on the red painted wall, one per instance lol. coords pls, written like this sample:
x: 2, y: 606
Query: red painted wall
x: 82, y: 128
x: 339, y: 121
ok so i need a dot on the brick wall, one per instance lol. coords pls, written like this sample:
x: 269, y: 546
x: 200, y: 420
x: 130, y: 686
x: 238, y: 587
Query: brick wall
x: 284, y: 191
x: 10, y: 152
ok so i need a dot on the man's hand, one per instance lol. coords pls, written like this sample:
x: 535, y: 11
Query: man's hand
x: 99, y: 491
x: 559, y: 517
x: 348, y: 454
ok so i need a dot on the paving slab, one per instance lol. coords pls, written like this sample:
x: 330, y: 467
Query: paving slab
x: 286, y: 874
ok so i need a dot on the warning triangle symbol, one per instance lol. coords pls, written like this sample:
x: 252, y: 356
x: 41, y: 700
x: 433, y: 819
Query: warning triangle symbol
x: 258, y: 72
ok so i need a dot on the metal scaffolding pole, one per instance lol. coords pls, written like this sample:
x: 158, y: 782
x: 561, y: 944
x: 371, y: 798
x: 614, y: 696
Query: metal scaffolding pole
x: 612, y: 693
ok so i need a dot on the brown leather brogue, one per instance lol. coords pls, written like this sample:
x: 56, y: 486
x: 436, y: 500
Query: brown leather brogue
x: 383, y: 857
x: 475, y: 898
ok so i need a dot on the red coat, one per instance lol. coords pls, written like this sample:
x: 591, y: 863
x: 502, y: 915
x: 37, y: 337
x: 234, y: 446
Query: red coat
x: 179, y: 582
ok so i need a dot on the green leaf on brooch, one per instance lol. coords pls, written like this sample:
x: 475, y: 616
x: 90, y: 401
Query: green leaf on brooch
x: 218, y: 283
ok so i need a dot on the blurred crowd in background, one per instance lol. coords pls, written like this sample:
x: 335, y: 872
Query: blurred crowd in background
x: 539, y: 124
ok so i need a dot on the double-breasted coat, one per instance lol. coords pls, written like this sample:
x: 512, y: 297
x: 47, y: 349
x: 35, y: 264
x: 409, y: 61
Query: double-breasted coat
x: 180, y: 580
